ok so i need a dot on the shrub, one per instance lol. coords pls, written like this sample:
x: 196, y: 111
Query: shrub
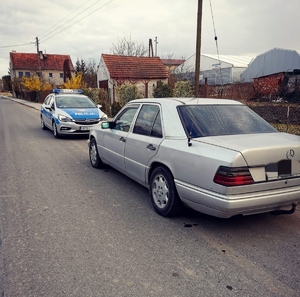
x: 126, y: 92
x: 99, y: 96
x: 162, y: 90
x: 182, y: 89
x: 34, y: 83
x: 75, y: 82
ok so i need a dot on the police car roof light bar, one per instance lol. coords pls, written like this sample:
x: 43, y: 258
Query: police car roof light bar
x: 67, y: 91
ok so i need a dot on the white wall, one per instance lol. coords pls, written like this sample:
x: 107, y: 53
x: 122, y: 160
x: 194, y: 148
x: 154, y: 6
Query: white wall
x: 103, y: 75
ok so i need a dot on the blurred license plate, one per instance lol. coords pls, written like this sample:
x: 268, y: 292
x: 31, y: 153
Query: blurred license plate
x: 85, y: 128
x: 284, y: 168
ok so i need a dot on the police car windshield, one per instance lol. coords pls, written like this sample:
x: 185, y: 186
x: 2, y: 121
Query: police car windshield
x: 71, y: 101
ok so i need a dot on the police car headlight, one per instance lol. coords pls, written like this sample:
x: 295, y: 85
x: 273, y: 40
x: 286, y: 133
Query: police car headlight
x: 63, y: 118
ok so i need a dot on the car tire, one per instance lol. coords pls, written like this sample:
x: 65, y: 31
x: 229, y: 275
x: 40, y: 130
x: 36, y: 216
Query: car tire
x: 163, y: 193
x: 43, y: 124
x: 94, y: 155
x: 55, y: 132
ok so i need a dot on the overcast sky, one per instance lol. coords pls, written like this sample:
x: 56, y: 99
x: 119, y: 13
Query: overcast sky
x: 84, y: 29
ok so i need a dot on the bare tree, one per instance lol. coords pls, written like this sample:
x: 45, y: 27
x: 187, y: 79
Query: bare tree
x: 88, y: 69
x: 90, y: 76
x: 128, y: 47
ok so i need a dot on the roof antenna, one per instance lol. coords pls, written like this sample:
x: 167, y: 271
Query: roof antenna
x: 189, y: 139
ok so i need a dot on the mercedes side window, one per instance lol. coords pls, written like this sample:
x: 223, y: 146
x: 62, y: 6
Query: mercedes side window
x: 157, y: 129
x: 124, y: 120
x: 148, y: 121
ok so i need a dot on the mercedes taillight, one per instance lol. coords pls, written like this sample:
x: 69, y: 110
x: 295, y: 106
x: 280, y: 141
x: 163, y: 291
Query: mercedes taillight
x: 233, y: 176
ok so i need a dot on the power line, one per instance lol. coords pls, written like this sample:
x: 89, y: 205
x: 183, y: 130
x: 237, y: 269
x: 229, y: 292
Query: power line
x: 63, y: 19
x: 216, y: 39
x: 77, y: 20
x: 29, y: 47
x: 31, y: 43
x: 5, y: 46
x: 67, y: 21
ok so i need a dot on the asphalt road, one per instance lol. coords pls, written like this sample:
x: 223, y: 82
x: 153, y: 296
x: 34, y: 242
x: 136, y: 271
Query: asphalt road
x: 67, y: 229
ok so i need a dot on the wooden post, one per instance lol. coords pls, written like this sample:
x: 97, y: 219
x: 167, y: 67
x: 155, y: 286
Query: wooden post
x: 198, y: 48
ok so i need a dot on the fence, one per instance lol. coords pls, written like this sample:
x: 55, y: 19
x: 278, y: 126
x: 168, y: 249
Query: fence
x: 285, y: 116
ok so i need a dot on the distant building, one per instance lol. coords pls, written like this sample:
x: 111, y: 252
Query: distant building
x: 275, y: 74
x: 214, y: 69
x: 172, y: 64
x: 144, y: 72
x: 54, y: 69
x: 271, y: 62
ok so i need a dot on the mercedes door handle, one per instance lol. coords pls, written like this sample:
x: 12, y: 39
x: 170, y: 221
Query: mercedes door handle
x: 151, y: 147
x: 122, y: 139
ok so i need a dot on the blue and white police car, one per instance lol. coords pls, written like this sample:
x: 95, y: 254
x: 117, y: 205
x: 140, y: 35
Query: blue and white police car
x: 68, y: 111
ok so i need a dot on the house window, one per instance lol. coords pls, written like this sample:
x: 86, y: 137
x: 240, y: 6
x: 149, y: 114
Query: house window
x: 39, y: 74
x: 61, y: 75
x: 20, y: 73
x: 27, y: 74
x: 50, y: 75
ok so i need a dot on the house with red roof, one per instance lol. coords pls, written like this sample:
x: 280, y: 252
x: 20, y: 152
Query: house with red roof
x: 54, y: 69
x: 172, y: 64
x: 144, y: 72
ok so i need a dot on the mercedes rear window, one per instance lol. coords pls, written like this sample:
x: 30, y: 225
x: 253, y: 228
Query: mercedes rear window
x: 213, y: 120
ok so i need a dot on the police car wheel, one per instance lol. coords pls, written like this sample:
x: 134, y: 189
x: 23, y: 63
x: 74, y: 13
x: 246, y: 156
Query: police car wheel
x: 94, y: 156
x: 55, y: 132
x: 43, y: 124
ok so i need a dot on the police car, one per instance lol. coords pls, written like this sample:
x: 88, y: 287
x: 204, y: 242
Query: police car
x: 68, y: 111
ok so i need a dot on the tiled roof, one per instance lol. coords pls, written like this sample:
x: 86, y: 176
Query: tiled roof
x: 30, y: 62
x: 172, y: 62
x: 128, y: 67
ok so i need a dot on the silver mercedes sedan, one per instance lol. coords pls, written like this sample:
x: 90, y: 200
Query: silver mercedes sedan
x: 216, y: 156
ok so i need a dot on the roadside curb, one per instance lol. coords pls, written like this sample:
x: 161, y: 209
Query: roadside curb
x: 33, y: 105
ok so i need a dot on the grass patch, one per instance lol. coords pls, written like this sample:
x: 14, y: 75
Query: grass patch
x: 292, y: 129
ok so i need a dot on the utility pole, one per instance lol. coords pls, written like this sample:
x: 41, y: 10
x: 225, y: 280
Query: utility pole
x: 37, y: 45
x: 156, y: 42
x: 150, y: 48
x: 198, y: 48
x: 38, y: 55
